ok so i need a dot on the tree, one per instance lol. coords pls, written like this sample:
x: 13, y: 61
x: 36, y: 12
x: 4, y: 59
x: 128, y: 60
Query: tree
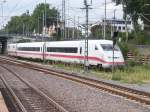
x: 97, y: 31
x: 13, y: 26
x: 29, y: 23
x: 20, y: 24
x: 38, y: 13
x: 136, y: 9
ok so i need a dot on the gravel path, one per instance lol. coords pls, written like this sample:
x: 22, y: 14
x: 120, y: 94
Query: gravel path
x: 76, y: 97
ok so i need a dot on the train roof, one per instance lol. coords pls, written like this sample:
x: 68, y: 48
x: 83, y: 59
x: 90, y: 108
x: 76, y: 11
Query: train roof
x: 71, y: 41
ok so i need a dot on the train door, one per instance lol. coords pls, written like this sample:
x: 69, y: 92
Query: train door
x: 16, y: 49
x: 81, y: 52
x: 44, y: 51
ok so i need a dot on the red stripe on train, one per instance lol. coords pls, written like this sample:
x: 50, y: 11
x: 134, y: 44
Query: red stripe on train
x: 82, y: 57
x: 69, y: 56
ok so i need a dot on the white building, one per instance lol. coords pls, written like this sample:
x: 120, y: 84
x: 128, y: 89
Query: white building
x: 120, y: 25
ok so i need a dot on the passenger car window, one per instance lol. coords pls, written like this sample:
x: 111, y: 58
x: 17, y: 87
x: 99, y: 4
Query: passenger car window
x: 29, y: 48
x: 63, y: 49
x: 109, y: 47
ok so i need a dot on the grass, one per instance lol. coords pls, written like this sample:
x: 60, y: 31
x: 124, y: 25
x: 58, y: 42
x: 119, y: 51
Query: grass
x: 134, y: 74
x: 70, y: 67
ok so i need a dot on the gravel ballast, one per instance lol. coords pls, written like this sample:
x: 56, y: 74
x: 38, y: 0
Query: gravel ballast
x: 77, y: 97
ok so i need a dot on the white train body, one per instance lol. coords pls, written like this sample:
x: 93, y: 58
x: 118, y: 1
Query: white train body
x: 100, y: 52
x: 30, y: 50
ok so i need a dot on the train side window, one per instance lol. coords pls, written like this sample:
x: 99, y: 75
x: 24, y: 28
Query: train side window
x: 96, y: 48
x: 80, y: 50
x: 29, y: 48
x: 63, y: 49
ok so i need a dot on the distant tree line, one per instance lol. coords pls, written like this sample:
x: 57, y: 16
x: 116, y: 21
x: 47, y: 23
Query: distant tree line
x: 97, y: 31
x: 33, y: 23
x: 136, y: 9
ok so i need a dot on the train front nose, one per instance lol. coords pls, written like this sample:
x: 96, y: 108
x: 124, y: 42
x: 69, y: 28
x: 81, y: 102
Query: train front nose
x: 116, y: 59
x: 110, y: 56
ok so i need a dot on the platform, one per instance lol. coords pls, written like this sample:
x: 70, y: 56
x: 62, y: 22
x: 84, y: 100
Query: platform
x: 3, y: 107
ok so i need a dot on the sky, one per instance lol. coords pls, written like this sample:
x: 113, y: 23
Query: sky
x: 73, y: 9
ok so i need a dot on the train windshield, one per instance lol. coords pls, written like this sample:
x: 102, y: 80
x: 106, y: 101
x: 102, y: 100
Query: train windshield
x: 109, y: 47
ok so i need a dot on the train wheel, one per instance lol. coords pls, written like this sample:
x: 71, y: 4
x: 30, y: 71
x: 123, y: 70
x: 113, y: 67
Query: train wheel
x: 99, y: 67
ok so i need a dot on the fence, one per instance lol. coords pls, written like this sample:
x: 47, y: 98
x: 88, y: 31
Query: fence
x: 142, y: 59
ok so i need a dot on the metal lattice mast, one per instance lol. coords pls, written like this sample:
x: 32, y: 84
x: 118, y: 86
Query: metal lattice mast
x: 64, y: 19
x: 87, y: 7
x: 45, y: 18
x: 105, y: 22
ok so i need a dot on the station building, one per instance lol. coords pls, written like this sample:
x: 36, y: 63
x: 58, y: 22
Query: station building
x: 120, y: 24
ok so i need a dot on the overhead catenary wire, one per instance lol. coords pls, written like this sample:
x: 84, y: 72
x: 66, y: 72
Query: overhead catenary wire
x: 71, y: 9
x: 15, y: 7
x: 78, y: 12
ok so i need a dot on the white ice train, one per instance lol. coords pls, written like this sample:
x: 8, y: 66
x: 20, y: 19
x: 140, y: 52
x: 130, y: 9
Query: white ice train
x: 100, y: 52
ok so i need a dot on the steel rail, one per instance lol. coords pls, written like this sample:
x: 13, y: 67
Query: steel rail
x: 139, y: 96
x: 13, y: 94
x: 50, y: 100
x: 128, y: 94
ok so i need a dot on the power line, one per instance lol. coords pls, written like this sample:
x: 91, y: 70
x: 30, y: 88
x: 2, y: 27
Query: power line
x: 15, y: 8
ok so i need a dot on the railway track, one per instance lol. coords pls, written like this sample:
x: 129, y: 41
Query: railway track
x: 132, y: 94
x: 29, y: 98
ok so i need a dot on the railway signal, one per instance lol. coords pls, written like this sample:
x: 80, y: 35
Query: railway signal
x: 114, y: 37
x: 115, y: 34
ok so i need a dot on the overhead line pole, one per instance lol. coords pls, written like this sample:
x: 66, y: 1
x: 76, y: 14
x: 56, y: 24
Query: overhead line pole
x: 2, y: 15
x: 43, y: 27
x: 62, y: 23
x: 105, y: 22
x: 78, y: 29
x: 63, y: 33
x: 45, y: 18
x: 87, y: 7
x: 64, y: 18
x: 2, y: 12
x: 113, y: 37
x: 45, y: 31
x: 57, y: 23
x: 38, y: 25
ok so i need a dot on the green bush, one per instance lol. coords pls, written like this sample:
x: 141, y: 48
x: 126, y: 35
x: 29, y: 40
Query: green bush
x: 140, y: 40
x: 146, y: 66
x: 124, y: 48
x: 131, y: 63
